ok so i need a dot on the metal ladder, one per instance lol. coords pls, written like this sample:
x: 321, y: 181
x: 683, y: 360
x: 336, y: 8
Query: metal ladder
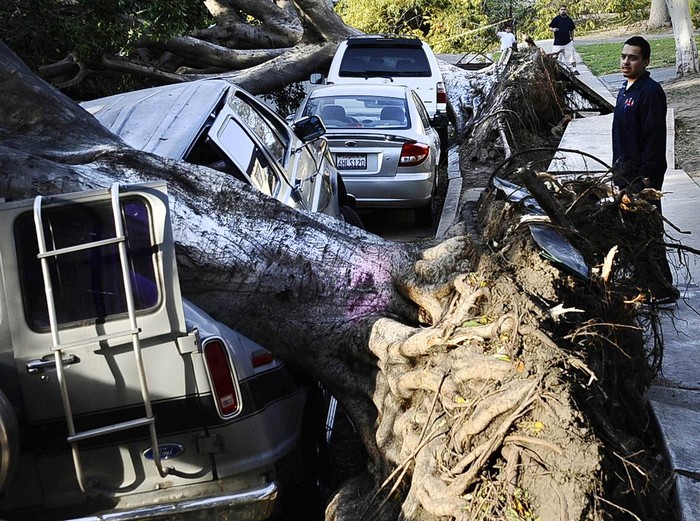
x: 57, y: 347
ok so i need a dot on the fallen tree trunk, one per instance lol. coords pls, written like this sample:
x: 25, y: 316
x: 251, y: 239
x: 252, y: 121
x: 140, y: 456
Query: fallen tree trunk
x: 469, y: 395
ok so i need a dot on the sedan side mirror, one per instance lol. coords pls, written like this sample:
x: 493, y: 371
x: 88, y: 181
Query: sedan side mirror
x: 309, y: 128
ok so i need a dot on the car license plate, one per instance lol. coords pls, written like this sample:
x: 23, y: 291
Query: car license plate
x: 351, y: 161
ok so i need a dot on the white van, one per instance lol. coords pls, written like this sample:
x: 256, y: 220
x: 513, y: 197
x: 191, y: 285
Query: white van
x: 395, y: 60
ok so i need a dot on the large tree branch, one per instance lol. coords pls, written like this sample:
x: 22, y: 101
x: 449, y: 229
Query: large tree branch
x: 202, y: 54
x: 277, y: 18
x: 280, y: 26
x: 113, y: 63
x: 240, y: 35
x: 292, y: 66
x: 219, y: 8
x: 317, y: 17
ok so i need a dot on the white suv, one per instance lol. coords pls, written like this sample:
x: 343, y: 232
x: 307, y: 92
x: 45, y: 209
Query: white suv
x: 396, y: 60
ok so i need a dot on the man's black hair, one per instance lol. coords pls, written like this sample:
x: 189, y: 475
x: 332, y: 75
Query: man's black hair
x: 638, y: 41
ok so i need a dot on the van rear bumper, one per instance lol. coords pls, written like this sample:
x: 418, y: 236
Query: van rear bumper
x: 254, y: 504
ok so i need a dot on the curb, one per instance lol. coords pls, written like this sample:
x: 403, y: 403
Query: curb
x: 454, y: 190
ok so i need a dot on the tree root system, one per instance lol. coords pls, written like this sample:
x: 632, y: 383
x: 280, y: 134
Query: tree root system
x: 520, y: 395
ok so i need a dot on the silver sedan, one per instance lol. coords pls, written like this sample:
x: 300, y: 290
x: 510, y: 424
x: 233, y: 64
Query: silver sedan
x: 383, y: 143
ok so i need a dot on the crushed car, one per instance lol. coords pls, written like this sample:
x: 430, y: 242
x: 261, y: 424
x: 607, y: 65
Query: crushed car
x: 217, y: 124
x: 117, y: 395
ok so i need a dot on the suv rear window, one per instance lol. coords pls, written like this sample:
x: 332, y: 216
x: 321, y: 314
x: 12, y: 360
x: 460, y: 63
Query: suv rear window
x: 397, y: 61
x: 87, y: 284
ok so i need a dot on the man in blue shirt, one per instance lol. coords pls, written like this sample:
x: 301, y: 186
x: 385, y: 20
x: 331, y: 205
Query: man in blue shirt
x: 563, y: 28
x: 639, y: 137
x: 639, y: 123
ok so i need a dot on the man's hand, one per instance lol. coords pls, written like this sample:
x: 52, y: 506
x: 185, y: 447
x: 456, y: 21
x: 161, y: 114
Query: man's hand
x: 647, y: 182
x: 555, y: 29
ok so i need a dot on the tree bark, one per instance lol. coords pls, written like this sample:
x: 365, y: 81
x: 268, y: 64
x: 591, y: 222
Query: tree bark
x: 199, y: 53
x: 686, y: 48
x: 658, y: 15
x: 292, y: 66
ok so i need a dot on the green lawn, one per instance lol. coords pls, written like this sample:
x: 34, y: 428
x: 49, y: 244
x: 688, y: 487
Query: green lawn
x: 604, y: 58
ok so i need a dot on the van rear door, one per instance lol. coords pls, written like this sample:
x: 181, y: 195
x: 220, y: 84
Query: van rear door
x: 100, y: 366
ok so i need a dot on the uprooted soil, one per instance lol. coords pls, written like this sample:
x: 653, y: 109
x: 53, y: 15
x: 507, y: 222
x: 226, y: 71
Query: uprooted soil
x: 522, y: 397
x: 610, y: 334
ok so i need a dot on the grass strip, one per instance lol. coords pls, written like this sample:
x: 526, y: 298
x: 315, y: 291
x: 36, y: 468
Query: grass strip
x: 604, y: 58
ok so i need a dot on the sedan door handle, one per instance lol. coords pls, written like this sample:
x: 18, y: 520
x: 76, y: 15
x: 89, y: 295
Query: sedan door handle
x: 48, y: 362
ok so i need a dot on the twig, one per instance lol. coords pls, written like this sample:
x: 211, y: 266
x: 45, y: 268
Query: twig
x: 616, y: 506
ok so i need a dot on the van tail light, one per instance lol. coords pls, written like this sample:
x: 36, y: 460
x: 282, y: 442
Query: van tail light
x: 413, y: 154
x: 261, y: 357
x: 441, y: 92
x: 222, y: 377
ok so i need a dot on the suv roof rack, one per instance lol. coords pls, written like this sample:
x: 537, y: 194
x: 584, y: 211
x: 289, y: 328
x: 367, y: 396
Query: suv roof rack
x: 384, y: 39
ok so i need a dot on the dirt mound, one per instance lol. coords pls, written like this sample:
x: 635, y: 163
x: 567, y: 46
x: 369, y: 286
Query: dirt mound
x: 519, y: 395
x: 604, y: 351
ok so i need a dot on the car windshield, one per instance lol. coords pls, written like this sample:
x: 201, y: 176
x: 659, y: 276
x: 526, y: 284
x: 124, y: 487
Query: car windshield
x: 360, y: 111
x: 395, y: 61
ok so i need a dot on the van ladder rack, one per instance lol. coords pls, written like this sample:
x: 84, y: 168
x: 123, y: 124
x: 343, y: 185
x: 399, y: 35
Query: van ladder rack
x: 57, y: 347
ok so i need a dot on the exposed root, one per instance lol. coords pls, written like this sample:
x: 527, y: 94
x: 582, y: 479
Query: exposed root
x: 497, y: 407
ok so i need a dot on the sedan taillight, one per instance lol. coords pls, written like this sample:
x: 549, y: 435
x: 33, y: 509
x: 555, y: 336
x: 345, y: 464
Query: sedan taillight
x: 413, y: 154
x: 221, y: 375
x: 441, y: 92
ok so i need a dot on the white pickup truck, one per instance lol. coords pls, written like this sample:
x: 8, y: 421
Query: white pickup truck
x: 116, y: 394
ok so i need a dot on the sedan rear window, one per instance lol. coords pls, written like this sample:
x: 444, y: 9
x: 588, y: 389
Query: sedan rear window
x: 360, y: 111
x: 87, y: 284
x: 397, y: 61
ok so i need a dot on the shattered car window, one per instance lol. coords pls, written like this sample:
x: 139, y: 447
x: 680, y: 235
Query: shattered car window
x: 275, y: 138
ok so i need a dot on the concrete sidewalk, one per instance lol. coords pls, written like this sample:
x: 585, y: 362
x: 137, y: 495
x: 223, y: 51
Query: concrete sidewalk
x: 674, y: 398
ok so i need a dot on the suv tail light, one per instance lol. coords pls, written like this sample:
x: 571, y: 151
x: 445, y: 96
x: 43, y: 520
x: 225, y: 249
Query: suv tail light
x: 441, y: 92
x: 413, y: 154
x: 222, y: 377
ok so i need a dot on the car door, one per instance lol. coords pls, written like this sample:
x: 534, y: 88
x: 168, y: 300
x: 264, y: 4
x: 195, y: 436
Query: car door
x: 93, y: 328
x: 261, y: 146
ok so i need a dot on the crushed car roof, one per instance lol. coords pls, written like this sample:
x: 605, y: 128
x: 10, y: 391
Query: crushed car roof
x: 161, y: 120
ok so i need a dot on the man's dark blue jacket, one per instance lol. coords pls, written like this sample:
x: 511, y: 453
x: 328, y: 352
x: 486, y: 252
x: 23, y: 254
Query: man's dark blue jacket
x: 639, y: 134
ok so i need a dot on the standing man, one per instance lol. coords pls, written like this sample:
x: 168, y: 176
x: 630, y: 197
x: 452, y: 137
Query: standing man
x: 563, y: 28
x: 639, y: 134
x: 639, y: 122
